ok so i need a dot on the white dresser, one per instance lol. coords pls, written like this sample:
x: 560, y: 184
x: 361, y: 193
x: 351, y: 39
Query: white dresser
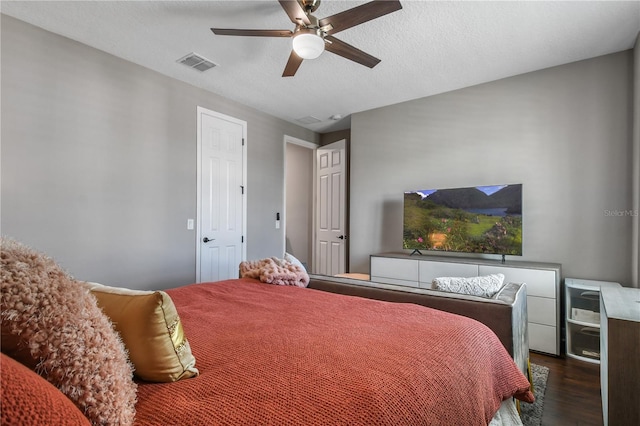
x: 542, y: 280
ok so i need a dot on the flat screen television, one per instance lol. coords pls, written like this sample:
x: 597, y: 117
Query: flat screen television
x: 480, y: 219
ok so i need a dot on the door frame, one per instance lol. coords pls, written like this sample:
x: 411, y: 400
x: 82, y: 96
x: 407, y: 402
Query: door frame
x: 199, y: 111
x: 313, y: 146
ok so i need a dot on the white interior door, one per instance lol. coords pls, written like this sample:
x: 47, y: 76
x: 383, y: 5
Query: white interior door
x: 221, y: 194
x: 331, y: 236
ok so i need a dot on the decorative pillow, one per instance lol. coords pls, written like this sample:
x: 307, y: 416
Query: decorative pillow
x: 28, y: 399
x: 275, y: 271
x: 61, y: 329
x: 485, y: 286
x: 293, y: 260
x: 151, y: 330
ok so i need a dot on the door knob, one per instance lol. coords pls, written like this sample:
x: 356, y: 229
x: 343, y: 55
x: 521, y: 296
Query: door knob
x: 342, y: 237
x: 206, y: 240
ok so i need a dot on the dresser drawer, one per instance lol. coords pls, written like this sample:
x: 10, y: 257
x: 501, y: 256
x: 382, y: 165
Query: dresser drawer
x: 427, y: 271
x: 539, y: 282
x: 541, y: 310
x: 395, y: 269
x: 542, y: 338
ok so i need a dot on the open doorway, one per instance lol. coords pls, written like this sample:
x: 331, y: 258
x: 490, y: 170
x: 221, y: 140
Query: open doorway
x: 299, y: 195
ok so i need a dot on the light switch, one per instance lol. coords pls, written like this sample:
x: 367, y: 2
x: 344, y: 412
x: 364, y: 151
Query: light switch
x: 190, y: 224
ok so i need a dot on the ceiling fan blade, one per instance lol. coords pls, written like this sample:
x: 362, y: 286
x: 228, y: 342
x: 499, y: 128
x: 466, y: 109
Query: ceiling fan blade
x: 292, y: 65
x: 252, y: 33
x: 295, y: 12
x: 359, y: 14
x: 348, y: 51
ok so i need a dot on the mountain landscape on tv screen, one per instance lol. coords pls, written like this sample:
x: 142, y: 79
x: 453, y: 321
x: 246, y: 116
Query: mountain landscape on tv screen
x: 483, y: 219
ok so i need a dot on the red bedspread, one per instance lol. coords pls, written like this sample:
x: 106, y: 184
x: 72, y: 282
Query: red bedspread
x: 288, y: 355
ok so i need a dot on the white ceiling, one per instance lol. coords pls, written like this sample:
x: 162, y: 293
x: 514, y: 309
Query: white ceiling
x: 426, y: 48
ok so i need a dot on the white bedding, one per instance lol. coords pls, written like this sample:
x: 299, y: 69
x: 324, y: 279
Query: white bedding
x: 507, y: 415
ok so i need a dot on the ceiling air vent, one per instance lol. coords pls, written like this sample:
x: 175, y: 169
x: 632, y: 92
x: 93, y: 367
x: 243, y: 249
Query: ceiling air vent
x: 193, y: 60
x: 308, y: 120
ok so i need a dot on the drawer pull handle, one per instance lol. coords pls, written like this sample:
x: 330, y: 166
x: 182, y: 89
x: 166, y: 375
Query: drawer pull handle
x: 590, y: 295
x: 590, y: 331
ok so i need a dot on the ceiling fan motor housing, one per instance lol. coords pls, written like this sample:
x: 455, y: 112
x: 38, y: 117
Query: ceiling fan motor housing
x: 309, y: 6
x: 314, y: 25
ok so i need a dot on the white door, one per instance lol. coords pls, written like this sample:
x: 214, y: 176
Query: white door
x: 221, y: 194
x: 331, y: 233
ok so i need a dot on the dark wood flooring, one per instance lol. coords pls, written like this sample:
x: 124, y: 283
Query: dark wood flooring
x: 573, y: 392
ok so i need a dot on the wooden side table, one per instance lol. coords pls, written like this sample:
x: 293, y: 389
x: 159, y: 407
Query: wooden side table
x: 620, y: 355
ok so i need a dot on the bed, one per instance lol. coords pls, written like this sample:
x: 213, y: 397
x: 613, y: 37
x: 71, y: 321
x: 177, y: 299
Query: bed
x: 287, y: 355
x: 238, y: 352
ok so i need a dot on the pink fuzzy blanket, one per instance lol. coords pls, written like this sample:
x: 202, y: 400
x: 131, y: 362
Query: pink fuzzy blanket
x: 274, y: 271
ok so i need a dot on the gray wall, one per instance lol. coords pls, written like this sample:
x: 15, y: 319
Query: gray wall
x: 99, y: 162
x: 635, y: 252
x: 563, y: 132
x: 299, y: 199
x: 327, y: 138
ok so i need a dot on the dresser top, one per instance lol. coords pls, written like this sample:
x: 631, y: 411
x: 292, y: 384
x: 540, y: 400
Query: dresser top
x: 588, y: 284
x: 475, y: 261
x: 621, y: 303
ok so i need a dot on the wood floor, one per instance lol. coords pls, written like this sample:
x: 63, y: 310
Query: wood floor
x: 573, y: 392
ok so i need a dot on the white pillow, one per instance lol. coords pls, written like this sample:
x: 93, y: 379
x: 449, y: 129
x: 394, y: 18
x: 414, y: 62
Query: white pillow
x: 292, y: 259
x: 484, y: 286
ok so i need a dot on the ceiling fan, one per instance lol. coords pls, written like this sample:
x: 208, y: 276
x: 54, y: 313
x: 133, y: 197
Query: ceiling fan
x: 312, y: 36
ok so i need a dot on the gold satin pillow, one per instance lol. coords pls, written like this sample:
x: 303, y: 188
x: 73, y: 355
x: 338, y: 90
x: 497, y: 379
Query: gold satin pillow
x: 150, y: 328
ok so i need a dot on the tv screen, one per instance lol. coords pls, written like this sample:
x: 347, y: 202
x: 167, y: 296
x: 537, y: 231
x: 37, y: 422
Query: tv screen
x: 481, y: 219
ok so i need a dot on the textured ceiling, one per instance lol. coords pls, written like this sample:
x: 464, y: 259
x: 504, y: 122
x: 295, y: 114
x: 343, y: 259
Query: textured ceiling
x: 426, y: 48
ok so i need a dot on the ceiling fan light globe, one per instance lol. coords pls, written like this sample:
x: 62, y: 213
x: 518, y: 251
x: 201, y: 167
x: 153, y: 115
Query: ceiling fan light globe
x: 308, y: 45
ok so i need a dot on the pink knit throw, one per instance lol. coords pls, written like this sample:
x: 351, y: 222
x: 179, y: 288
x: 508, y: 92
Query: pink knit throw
x: 274, y: 271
